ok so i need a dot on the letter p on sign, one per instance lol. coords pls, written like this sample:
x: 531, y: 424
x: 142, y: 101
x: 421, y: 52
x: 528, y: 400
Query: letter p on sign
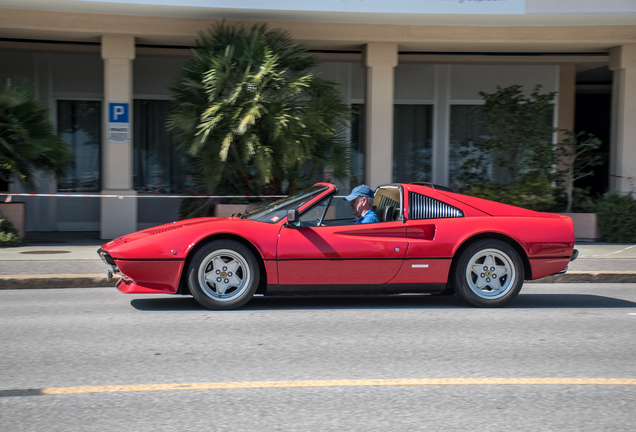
x: 118, y: 112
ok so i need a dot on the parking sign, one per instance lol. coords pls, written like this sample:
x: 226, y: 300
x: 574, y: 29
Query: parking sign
x: 119, y: 122
x: 118, y: 112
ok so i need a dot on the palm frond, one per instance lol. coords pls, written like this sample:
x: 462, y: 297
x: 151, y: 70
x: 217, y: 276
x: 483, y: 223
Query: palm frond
x: 28, y: 142
x: 250, y: 109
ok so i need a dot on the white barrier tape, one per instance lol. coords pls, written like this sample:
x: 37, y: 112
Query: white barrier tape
x: 9, y: 195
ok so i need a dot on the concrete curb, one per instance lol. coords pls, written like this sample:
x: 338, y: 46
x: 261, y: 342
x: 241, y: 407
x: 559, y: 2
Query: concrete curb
x: 591, y: 277
x: 56, y: 281
x: 99, y: 280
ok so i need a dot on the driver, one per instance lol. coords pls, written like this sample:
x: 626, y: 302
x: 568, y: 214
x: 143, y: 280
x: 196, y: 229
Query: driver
x: 361, y: 202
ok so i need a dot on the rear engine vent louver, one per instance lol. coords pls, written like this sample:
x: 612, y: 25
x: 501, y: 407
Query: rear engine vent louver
x: 423, y: 207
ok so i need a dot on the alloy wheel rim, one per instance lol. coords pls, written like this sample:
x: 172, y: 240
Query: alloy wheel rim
x: 224, y: 275
x: 490, y: 274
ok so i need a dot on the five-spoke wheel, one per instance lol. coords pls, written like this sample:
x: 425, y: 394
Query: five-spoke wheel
x: 489, y: 273
x: 223, y: 275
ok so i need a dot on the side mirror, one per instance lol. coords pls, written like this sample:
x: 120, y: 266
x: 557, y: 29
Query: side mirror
x: 292, y: 217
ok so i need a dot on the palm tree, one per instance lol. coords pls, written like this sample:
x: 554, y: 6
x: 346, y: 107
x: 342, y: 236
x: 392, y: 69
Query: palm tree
x: 251, y: 111
x: 28, y: 142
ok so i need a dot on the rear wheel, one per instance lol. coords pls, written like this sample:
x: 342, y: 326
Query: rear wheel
x: 224, y: 274
x: 489, y: 273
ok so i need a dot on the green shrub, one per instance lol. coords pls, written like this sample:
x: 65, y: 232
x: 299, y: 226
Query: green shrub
x: 8, y: 234
x: 533, y: 194
x: 575, y: 158
x: 617, y: 217
x: 582, y: 202
x: 514, y: 162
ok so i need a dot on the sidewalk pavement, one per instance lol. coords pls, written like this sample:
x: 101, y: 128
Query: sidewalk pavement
x: 72, y: 262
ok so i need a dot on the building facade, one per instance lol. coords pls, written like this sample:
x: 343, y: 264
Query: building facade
x: 413, y: 68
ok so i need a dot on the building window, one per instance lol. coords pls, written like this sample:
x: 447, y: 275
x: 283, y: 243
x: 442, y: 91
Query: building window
x: 79, y: 125
x: 467, y: 123
x: 158, y: 167
x: 412, y: 143
x: 357, y: 146
x: 4, y: 182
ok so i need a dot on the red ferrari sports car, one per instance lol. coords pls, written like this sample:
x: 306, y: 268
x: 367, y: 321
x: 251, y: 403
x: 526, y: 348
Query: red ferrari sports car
x: 429, y: 240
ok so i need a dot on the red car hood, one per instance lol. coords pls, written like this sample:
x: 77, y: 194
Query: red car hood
x: 172, y: 226
x: 166, y: 241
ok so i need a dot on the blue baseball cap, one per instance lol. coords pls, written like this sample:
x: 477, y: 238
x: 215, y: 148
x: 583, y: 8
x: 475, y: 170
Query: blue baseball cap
x: 360, y: 191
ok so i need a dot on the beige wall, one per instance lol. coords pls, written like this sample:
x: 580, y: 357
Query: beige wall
x: 17, y: 64
x: 414, y: 82
x: 424, y: 73
x: 77, y: 73
x: 469, y: 80
x: 153, y: 75
x: 580, y: 6
x: 576, y: 34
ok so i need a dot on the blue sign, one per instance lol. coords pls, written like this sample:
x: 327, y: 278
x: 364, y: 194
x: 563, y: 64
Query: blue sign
x: 118, y: 112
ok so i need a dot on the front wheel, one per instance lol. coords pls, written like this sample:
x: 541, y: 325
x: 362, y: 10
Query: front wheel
x: 224, y: 274
x: 489, y: 273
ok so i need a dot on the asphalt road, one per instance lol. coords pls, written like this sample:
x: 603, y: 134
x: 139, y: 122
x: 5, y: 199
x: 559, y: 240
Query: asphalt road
x: 71, y: 340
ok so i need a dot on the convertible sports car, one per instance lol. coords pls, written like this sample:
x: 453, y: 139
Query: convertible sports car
x: 429, y: 240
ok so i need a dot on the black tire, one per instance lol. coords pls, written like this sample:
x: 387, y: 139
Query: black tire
x: 223, y: 274
x: 489, y: 273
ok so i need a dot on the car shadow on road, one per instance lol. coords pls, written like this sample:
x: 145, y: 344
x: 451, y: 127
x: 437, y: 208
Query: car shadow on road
x: 524, y: 301
x: 577, y: 301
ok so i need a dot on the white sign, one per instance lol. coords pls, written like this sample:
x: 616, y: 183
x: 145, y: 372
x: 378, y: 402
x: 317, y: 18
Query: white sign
x: 358, y: 6
x: 119, y: 122
x: 118, y: 134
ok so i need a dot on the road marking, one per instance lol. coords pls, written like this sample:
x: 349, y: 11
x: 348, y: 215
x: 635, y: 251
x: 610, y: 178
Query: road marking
x: 608, y: 254
x: 322, y: 383
x: 622, y: 250
x: 336, y: 383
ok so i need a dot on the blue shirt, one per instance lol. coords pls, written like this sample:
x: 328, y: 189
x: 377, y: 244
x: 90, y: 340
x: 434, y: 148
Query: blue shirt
x: 369, y: 217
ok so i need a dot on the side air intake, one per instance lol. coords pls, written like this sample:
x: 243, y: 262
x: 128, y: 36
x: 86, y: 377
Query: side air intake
x: 423, y: 207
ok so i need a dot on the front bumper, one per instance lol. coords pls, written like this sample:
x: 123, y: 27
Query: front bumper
x: 144, y: 276
x: 108, y: 260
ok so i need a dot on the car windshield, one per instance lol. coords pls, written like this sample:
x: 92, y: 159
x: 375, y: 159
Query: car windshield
x: 274, y: 212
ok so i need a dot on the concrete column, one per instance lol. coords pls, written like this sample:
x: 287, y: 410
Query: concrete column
x: 566, y: 103
x: 623, y: 134
x: 567, y: 97
x: 379, y: 59
x: 441, y: 125
x: 118, y: 215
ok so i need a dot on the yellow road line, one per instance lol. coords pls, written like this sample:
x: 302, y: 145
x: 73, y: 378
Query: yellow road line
x: 342, y: 383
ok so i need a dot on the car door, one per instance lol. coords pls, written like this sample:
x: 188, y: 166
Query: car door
x: 430, y: 227
x: 334, y: 251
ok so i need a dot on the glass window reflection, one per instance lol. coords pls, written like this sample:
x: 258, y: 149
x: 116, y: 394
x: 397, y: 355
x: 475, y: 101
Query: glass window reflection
x: 79, y: 125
